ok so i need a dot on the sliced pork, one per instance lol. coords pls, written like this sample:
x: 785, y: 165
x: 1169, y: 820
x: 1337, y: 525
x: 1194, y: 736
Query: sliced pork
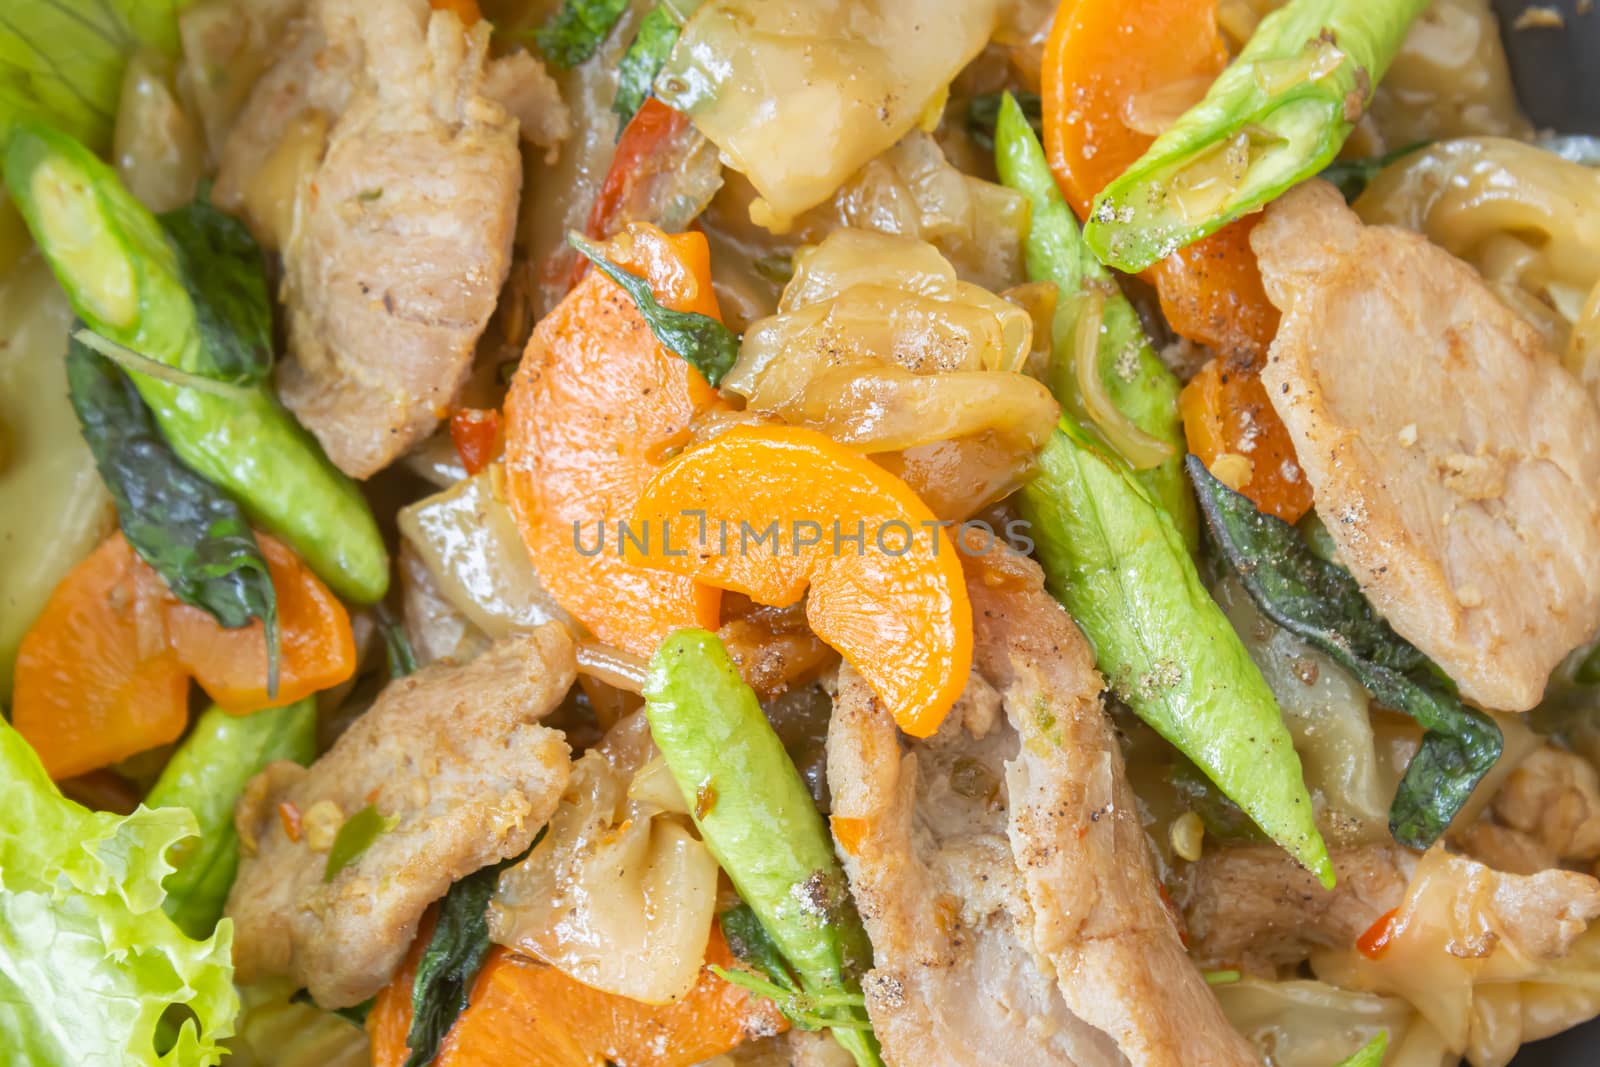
x: 454, y: 760
x: 1001, y: 868
x: 1456, y: 464
x: 379, y: 157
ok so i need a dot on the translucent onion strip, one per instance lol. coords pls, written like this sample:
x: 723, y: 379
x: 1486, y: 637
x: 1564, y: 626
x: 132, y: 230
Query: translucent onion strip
x: 616, y: 668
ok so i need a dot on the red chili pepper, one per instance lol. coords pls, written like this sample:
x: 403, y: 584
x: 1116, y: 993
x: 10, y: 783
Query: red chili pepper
x: 652, y: 126
x: 1375, y: 941
x: 476, y: 435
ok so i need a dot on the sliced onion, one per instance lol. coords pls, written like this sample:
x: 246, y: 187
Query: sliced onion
x: 618, y: 669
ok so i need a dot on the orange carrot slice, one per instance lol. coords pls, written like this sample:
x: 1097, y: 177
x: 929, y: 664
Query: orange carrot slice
x: 595, y: 407
x: 317, y: 648
x: 1227, y: 412
x: 530, y: 1014
x: 783, y: 510
x: 96, y: 680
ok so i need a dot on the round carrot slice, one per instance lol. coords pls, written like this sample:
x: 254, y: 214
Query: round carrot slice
x: 317, y: 649
x: 96, y: 681
x: 770, y: 511
x: 595, y: 406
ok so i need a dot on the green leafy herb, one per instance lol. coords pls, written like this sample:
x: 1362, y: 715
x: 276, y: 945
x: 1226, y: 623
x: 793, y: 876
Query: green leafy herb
x: 983, y: 112
x: 396, y: 645
x: 640, y: 64
x: 191, y: 532
x: 355, y: 836
x: 807, y: 1011
x: 1222, y: 818
x: 748, y: 941
x: 1352, y: 176
x: 573, y: 33
x: 220, y: 266
x: 1321, y: 603
x: 704, y: 343
x: 1221, y: 977
x: 1588, y: 672
x: 450, y: 964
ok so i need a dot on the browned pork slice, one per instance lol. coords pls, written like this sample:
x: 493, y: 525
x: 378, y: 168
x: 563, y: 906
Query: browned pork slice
x: 1456, y: 464
x: 381, y: 156
x: 1001, y: 869
x: 454, y: 759
x: 956, y: 980
x: 1254, y: 908
x: 1077, y: 838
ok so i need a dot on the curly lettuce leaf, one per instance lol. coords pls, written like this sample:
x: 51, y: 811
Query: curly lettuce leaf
x: 89, y: 962
x: 62, y: 60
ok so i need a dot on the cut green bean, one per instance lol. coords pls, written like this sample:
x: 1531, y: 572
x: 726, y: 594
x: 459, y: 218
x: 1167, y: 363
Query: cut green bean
x: 758, y: 820
x: 1113, y: 557
x: 124, y: 281
x: 206, y: 775
x: 1131, y: 376
x: 1276, y: 116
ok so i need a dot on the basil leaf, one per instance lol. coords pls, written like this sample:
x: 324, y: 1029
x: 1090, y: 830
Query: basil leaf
x: 575, y: 32
x: 450, y: 964
x: 703, y: 342
x: 221, y: 268
x: 640, y: 64
x: 983, y: 113
x: 1352, y: 176
x: 190, y: 531
x: 355, y: 836
x: 1321, y: 603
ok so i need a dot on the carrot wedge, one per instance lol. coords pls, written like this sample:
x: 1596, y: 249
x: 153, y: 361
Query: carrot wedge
x: 595, y: 407
x: 96, y: 679
x: 775, y: 512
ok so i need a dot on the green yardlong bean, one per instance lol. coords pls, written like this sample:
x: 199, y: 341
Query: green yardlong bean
x: 124, y: 281
x: 758, y: 820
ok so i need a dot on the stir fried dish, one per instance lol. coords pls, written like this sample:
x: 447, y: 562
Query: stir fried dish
x: 851, y: 533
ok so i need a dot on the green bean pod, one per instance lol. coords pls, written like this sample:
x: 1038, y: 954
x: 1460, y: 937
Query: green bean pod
x: 1113, y: 557
x: 122, y: 277
x: 756, y: 817
x: 206, y: 775
x: 1276, y: 116
x: 1130, y: 373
